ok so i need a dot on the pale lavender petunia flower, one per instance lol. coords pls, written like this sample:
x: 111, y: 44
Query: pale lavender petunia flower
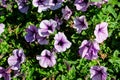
x: 2, y: 26
x: 47, y: 59
x: 42, y: 5
x: 81, y: 4
x: 101, y: 32
x: 16, y: 59
x: 22, y: 6
x: 5, y: 73
x: 32, y: 35
x: 61, y: 43
x: 98, y: 73
x: 57, y: 4
x: 89, y: 50
x: 66, y: 13
x: 47, y: 27
x: 80, y: 23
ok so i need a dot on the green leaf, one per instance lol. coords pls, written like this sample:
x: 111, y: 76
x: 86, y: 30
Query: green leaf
x: 111, y: 10
x: 72, y: 72
x: 118, y: 4
x: 2, y: 19
x: 63, y: 77
x: 95, y: 0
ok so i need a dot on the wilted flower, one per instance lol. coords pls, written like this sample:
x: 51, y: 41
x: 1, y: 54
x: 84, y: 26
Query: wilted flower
x: 66, y: 13
x: 89, y: 49
x: 22, y: 6
x: 101, y: 32
x: 32, y: 35
x: 81, y: 4
x: 67, y: 65
x: 2, y: 26
x: 99, y: 4
x: 16, y: 59
x: 80, y: 23
x: 57, y: 4
x: 47, y: 27
x: 16, y: 73
x: 5, y: 73
x: 61, y: 43
x: 42, y: 5
x: 59, y: 22
x: 98, y: 73
x: 47, y: 59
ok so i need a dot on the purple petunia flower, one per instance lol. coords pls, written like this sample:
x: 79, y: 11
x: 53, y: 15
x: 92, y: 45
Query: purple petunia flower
x: 61, y: 43
x: 22, y: 6
x: 57, y: 4
x: 16, y: 59
x: 2, y: 26
x: 101, y: 32
x: 89, y: 49
x: 47, y: 59
x: 32, y: 35
x: 47, y: 27
x: 42, y: 5
x: 81, y: 4
x: 5, y: 73
x: 42, y: 40
x: 99, y: 4
x: 3, y: 3
x: 98, y: 73
x: 80, y: 23
x: 66, y: 13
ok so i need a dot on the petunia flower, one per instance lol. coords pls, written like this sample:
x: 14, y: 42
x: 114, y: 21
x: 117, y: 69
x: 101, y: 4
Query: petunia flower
x: 98, y: 73
x: 42, y: 40
x: 81, y: 4
x: 101, y: 32
x: 5, y: 73
x: 16, y: 59
x: 42, y: 5
x: 57, y: 4
x: 89, y: 50
x: 66, y: 13
x: 80, y: 23
x: 22, y: 6
x: 3, y: 3
x: 47, y: 27
x: 32, y: 35
x: 47, y: 59
x: 61, y: 43
x: 2, y: 26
